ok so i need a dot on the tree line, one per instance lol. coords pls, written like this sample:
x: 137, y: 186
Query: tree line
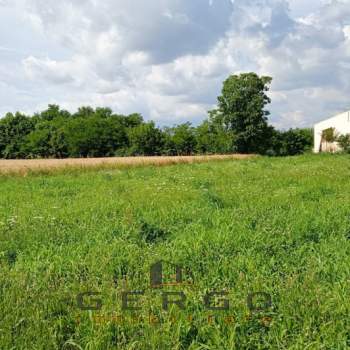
x: 239, y: 124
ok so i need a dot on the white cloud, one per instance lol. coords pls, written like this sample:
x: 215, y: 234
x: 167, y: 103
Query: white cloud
x: 48, y: 70
x: 168, y: 58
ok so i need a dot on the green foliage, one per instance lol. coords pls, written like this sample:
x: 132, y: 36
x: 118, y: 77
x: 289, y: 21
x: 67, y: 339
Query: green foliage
x: 47, y: 140
x: 238, y: 125
x: 84, y: 112
x: 53, y: 112
x: 344, y: 142
x: 145, y: 140
x: 241, y: 110
x: 213, y: 139
x: 13, y: 130
x: 93, y: 136
x: 132, y: 120
x: 291, y: 142
x: 180, y: 140
x: 329, y: 135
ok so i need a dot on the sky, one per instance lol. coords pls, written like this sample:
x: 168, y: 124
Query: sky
x: 167, y: 59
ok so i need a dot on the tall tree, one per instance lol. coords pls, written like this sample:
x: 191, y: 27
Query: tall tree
x: 241, y: 110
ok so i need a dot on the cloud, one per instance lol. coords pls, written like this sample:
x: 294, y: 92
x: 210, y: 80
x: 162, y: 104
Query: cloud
x: 164, y: 29
x: 49, y: 70
x: 168, y: 58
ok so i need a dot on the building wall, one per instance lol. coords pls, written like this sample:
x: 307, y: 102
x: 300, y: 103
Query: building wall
x: 340, y: 122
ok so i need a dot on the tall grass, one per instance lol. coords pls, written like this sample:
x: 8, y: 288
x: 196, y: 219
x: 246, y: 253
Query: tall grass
x: 279, y: 226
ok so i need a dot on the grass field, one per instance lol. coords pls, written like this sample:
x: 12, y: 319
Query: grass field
x: 269, y: 225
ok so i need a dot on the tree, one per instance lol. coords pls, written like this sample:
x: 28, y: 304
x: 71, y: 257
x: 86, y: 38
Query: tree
x: 211, y: 138
x: 180, y: 140
x: 241, y: 110
x: 53, y: 112
x: 132, y: 120
x: 146, y: 140
x: 239, y: 124
x: 94, y: 136
x: 329, y: 136
x: 84, y: 112
x: 344, y: 142
x: 103, y: 113
x: 13, y: 130
x: 47, y: 140
x: 291, y: 142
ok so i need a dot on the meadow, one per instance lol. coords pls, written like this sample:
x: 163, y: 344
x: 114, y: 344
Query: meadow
x: 278, y: 226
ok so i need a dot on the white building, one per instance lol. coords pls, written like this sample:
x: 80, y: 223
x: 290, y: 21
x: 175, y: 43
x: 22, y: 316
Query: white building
x: 341, y: 124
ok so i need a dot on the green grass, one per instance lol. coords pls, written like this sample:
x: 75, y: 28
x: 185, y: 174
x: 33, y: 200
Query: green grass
x: 279, y: 226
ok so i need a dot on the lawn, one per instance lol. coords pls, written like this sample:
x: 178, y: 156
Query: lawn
x: 278, y: 227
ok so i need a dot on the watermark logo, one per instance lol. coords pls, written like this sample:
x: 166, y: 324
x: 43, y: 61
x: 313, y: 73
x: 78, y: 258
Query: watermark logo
x: 166, y: 274
x: 167, y: 282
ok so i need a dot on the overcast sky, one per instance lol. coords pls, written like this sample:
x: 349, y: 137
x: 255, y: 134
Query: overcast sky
x: 167, y: 58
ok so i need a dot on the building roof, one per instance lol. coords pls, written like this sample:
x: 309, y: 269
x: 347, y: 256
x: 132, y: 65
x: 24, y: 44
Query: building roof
x: 345, y: 114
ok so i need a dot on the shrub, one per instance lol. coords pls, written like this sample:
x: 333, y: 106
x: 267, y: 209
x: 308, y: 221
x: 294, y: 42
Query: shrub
x: 344, y: 142
x: 290, y: 143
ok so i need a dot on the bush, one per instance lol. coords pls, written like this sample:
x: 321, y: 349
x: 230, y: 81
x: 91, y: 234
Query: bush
x: 291, y: 143
x: 146, y: 140
x: 180, y: 140
x: 344, y: 142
